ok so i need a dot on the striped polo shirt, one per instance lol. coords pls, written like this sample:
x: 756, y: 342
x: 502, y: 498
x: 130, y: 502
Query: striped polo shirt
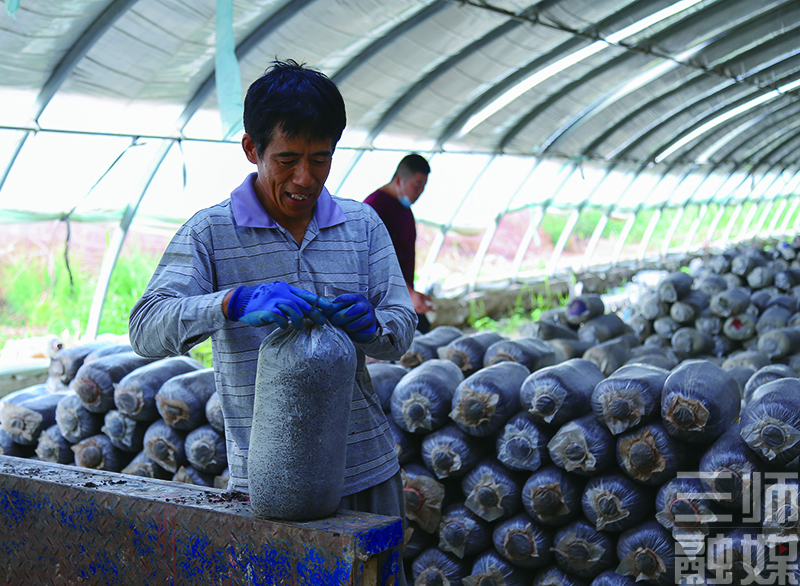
x: 346, y: 248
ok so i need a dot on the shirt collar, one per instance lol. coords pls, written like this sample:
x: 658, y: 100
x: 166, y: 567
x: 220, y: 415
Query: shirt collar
x: 248, y: 211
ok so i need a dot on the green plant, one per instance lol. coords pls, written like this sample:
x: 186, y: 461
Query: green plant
x: 528, y: 306
x: 202, y: 353
x: 41, y: 296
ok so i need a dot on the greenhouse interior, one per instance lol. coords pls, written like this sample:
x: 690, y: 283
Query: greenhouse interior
x: 613, y: 204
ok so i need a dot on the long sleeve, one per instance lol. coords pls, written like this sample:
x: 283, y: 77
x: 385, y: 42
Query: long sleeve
x: 180, y: 307
x: 212, y: 254
x: 389, y: 295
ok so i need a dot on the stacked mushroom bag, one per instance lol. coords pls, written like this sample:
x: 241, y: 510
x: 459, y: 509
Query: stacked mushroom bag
x: 659, y: 444
x: 106, y: 408
x: 654, y: 443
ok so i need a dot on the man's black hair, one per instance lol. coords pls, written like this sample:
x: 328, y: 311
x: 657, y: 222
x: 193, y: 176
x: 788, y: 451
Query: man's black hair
x: 295, y: 99
x: 412, y: 164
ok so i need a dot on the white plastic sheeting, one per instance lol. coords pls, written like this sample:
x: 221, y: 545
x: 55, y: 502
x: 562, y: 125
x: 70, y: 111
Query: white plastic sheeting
x: 617, y: 129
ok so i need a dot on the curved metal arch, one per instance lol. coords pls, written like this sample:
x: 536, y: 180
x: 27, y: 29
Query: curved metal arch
x: 788, y: 149
x: 766, y: 134
x: 785, y: 211
x: 736, y: 122
x: 67, y: 65
x: 541, y: 208
x: 647, y: 106
x: 192, y: 105
x: 583, y: 116
x: 498, y: 89
x: 269, y: 25
x: 358, y: 60
x: 777, y: 215
x: 771, y: 149
x: 638, y: 137
x: 594, y: 239
x: 567, y: 89
x: 721, y: 205
x: 711, y: 172
x: 588, y: 113
x: 729, y: 128
x: 750, y: 229
x: 694, y: 228
x: 628, y: 227
x: 599, y: 226
x: 419, y: 86
x: 782, y: 202
x: 438, y: 242
x: 670, y: 234
x: 726, y: 236
x: 699, y: 123
x: 766, y: 150
x: 519, y: 74
x: 795, y: 199
x: 451, y: 62
x: 657, y: 211
x: 663, y: 121
x: 609, y: 209
x: 768, y: 206
x: 483, y: 248
x: 703, y: 120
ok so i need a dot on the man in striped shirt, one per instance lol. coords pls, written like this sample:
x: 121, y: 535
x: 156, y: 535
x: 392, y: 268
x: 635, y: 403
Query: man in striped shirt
x: 279, y: 251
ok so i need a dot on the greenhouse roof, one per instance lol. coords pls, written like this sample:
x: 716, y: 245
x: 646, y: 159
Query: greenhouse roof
x: 123, y: 109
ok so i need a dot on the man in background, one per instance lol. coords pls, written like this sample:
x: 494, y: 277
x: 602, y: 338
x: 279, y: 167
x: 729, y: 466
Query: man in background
x: 393, y: 204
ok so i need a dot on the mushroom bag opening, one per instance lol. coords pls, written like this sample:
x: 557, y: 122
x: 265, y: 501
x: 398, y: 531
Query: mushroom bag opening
x: 303, y: 391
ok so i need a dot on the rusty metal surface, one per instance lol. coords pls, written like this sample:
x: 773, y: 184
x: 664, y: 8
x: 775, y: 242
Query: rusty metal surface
x: 69, y: 525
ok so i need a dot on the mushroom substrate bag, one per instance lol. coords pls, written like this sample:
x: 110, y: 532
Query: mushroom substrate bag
x: 303, y: 391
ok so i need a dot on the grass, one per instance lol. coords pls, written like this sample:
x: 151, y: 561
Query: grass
x: 528, y: 306
x: 553, y: 224
x: 41, y: 296
x: 38, y: 295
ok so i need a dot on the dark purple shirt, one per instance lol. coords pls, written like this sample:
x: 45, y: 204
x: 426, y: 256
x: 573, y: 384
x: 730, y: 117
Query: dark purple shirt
x: 402, y: 227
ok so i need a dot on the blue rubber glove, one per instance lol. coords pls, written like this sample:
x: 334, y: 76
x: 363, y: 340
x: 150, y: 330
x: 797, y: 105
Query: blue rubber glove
x: 277, y: 303
x: 355, y: 315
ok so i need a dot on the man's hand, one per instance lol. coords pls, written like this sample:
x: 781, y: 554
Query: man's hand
x: 422, y: 303
x: 277, y: 303
x: 355, y: 315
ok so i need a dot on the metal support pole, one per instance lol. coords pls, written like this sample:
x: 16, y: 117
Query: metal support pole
x: 118, y: 238
x: 562, y: 241
x: 594, y: 239
x: 701, y: 215
x: 488, y: 236
x: 648, y: 234
x: 773, y: 225
x: 483, y: 248
x: 671, y: 231
x: 784, y: 229
x: 530, y: 233
x: 726, y: 235
x: 768, y: 207
x: 623, y: 238
x: 433, y: 253
x: 715, y: 222
x: 751, y: 214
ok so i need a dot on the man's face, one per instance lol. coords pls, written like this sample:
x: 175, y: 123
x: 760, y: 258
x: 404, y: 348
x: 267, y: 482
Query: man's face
x: 291, y: 174
x: 413, y: 187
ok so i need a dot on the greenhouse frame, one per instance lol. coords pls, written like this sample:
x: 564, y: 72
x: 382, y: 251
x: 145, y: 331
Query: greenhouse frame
x: 641, y: 128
